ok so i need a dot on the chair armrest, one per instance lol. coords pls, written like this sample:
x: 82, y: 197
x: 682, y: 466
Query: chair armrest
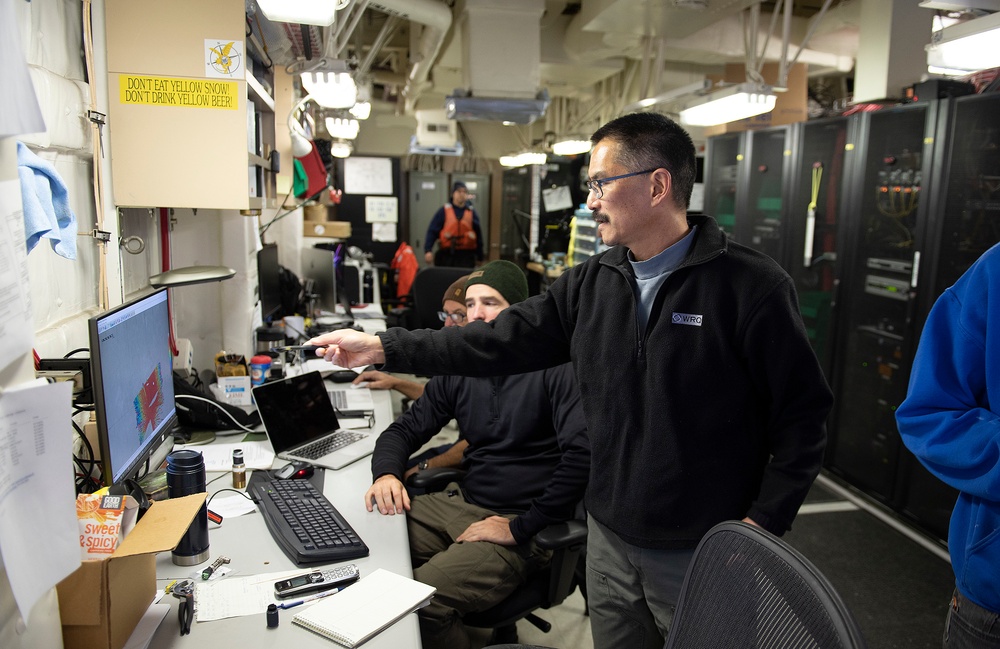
x: 435, y: 479
x: 561, y: 535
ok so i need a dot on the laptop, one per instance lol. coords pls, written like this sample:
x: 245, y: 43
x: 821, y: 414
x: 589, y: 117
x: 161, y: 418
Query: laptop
x: 301, y: 424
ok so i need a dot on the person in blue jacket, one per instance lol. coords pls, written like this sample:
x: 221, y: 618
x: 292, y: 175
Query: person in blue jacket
x: 950, y: 420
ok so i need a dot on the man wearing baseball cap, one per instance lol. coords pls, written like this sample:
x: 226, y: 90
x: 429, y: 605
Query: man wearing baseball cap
x: 526, y: 468
x: 455, y: 227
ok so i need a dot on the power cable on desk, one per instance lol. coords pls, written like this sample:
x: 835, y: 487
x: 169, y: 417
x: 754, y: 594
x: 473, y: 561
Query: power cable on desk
x: 227, y: 413
x: 244, y: 494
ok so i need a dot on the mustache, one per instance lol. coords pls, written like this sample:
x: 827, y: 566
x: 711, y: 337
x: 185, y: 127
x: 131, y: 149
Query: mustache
x: 600, y: 217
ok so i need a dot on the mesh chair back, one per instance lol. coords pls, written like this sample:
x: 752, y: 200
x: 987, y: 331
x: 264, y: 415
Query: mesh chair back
x: 747, y: 589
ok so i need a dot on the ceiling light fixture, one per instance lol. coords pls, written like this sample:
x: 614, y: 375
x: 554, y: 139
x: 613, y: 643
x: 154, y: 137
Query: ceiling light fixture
x: 573, y: 145
x: 669, y: 96
x: 341, y: 149
x: 342, y: 129
x: 968, y: 45
x: 361, y: 110
x: 308, y: 12
x: 523, y: 159
x: 331, y: 89
x: 729, y: 105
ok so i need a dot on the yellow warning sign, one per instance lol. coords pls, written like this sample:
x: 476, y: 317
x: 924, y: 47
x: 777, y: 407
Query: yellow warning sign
x: 185, y: 93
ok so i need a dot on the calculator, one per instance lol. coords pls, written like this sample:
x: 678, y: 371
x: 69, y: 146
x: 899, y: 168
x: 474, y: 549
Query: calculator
x: 317, y: 580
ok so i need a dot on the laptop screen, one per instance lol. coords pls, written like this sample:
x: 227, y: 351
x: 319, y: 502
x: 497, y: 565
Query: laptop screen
x: 295, y: 410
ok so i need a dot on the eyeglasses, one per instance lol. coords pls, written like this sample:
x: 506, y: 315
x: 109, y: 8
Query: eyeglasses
x: 457, y: 318
x: 597, y: 186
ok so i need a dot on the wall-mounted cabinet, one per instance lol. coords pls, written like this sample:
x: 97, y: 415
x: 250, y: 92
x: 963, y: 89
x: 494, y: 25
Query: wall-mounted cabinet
x: 190, y: 124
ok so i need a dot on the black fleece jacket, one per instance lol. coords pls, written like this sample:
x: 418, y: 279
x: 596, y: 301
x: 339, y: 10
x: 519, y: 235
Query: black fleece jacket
x: 528, y: 450
x: 715, y: 412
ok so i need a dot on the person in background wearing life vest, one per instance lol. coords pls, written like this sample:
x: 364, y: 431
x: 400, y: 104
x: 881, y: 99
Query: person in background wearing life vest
x: 455, y: 227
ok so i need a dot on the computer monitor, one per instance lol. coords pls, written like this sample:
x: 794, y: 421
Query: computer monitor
x: 132, y: 367
x: 269, y: 280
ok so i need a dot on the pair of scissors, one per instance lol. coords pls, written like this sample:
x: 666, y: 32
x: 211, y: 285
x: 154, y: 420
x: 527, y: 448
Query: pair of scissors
x: 184, y: 591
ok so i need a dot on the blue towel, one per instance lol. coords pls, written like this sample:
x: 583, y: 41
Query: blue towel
x: 46, y: 204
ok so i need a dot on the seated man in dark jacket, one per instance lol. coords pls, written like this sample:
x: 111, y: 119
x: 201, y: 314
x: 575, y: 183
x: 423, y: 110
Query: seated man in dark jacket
x: 527, y: 466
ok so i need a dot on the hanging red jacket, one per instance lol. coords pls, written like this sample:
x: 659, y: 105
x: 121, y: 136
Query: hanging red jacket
x: 404, y: 262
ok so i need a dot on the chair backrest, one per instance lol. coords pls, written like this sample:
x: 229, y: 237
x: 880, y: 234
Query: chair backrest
x: 428, y: 287
x: 745, y: 588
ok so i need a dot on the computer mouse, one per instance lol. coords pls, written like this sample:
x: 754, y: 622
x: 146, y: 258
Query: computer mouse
x: 295, y: 471
x: 362, y: 384
x: 342, y: 376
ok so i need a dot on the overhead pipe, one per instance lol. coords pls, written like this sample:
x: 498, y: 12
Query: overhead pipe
x: 436, y: 17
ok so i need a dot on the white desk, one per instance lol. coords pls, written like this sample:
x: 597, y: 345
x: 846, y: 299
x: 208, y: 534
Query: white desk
x: 247, y: 542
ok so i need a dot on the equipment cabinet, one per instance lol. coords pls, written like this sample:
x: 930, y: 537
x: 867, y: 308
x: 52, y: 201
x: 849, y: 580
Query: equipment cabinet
x: 191, y: 125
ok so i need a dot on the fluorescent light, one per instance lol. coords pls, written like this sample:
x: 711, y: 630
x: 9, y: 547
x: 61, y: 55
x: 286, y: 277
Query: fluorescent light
x: 342, y: 129
x: 531, y: 158
x: 523, y: 159
x: 969, y: 45
x: 309, y: 12
x: 341, y: 149
x: 331, y: 89
x: 729, y: 105
x: 361, y: 110
x: 571, y: 146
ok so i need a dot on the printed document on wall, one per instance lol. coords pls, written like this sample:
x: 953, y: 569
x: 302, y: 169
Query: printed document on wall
x: 16, y: 325
x: 39, y: 540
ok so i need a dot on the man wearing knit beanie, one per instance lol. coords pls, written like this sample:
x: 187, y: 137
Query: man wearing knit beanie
x: 453, y: 304
x: 506, y: 278
x: 526, y: 462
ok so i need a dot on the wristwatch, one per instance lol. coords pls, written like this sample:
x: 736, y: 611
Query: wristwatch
x: 425, y: 465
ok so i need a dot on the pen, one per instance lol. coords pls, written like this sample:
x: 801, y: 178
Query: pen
x: 305, y: 348
x: 325, y: 593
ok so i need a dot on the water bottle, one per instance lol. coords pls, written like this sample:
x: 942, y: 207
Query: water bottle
x: 186, y: 476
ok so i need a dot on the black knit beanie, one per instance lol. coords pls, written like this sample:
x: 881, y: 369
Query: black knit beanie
x: 503, y: 276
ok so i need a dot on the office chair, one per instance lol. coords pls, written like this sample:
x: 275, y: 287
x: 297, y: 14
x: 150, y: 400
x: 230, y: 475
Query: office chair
x: 544, y: 589
x: 746, y: 589
x: 428, y: 287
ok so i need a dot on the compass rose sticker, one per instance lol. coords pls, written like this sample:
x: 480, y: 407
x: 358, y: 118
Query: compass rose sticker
x: 224, y: 59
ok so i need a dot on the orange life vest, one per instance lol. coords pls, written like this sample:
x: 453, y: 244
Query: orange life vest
x: 457, y: 234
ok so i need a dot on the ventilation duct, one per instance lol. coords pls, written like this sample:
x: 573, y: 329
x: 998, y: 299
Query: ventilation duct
x: 496, y: 109
x: 502, y: 45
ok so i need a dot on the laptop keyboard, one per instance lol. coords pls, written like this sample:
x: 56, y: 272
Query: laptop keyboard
x: 329, y: 444
x: 303, y: 522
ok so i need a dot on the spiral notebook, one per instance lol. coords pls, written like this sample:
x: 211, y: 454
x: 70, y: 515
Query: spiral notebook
x: 371, y: 604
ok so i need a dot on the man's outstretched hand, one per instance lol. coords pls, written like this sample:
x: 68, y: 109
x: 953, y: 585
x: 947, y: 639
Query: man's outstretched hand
x: 349, y: 348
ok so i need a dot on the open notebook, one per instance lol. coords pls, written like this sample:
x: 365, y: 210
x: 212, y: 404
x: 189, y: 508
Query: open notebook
x: 365, y: 608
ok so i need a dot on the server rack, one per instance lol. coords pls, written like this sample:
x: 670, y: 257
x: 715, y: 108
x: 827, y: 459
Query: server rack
x: 724, y: 184
x: 815, y: 217
x: 879, y: 294
x: 759, y: 210
x: 966, y: 222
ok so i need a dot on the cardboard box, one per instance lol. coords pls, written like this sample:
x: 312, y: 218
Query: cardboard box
x: 103, y: 600
x: 316, y: 212
x: 791, y: 106
x: 328, y: 229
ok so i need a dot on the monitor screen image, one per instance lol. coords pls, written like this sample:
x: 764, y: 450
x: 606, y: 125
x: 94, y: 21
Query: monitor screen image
x: 132, y: 369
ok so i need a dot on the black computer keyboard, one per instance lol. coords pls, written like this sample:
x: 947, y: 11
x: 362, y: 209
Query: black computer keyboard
x: 304, y: 523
